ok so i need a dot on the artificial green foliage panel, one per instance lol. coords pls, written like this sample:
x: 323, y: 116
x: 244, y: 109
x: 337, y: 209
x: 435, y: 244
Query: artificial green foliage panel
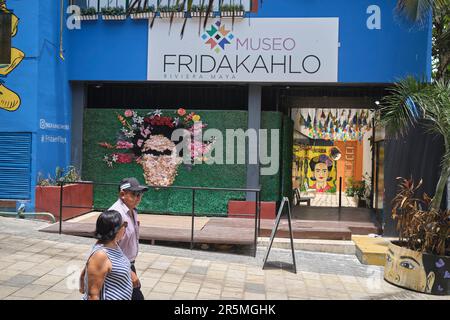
x: 270, y: 184
x: 286, y: 157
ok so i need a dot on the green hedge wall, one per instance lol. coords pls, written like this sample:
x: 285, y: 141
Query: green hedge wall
x: 286, y: 157
x: 102, y: 125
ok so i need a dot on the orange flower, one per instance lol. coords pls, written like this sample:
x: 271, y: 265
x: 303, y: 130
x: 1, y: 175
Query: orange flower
x: 106, y: 145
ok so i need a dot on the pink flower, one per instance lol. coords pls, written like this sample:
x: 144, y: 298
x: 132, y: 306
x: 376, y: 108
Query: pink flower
x: 124, y: 145
x: 181, y: 112
x: 140, y: 142
x: 145, y: 132
x: 128, y: 113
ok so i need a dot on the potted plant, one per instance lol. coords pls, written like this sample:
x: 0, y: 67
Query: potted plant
x: 232, y: 10
x: 168, y: 10
x: 87, y: 14
x: 114, y: 13
x: 76, y: 195
x: 200, y: 11
x: 359, y: 189
x: 143, y: 13
x: 420, y: 259
x: 423, y: 226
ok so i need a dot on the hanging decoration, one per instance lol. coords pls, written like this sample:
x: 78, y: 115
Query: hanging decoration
x: 337, y: 124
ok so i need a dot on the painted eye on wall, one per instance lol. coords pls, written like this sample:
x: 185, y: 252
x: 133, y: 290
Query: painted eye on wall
x: 388, y: 258
x: 407, y: 265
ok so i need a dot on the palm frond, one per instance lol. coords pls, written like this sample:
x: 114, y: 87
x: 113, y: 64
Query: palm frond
x: 200, y: 20
x: 172, y: 15
x: 399, y: 109
x: 158, y: 3
x: 208, y: 11
x: 189, y: 7
x: 415, y: 11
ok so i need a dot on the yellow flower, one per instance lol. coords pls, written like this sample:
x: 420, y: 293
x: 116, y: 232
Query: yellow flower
x: 196, y: 118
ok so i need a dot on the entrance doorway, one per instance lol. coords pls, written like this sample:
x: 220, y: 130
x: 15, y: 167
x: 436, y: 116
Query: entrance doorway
x: 332, y: 157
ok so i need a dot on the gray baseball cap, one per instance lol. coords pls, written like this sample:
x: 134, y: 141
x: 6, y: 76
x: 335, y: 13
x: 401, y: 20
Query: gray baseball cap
x: 131, y: 184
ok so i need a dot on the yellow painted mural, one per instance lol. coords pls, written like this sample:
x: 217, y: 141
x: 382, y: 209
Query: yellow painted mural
x: 9, y: 100
x: 314, y: 168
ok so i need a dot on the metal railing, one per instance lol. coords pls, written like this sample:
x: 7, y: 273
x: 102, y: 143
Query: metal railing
x: 257, y: 220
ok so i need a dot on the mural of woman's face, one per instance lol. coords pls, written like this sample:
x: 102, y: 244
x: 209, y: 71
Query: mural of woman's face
x: 321, y: 172
x: 407, y: 267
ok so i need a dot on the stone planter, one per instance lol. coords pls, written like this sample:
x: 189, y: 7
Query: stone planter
x: 229, y: 14
x: 247, y: 209
x: 87, y: 17
x: 76, y: 195
x: 417, y: 271
x: 142, y: 15
x: 168, y: 14
x: 113, y: 17
x: 201, y: 14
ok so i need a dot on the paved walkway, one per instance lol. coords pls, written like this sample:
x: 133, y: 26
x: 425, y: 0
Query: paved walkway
x: 36, y: 265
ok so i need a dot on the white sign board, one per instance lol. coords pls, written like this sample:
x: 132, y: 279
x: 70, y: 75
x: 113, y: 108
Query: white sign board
x: 259, y: 50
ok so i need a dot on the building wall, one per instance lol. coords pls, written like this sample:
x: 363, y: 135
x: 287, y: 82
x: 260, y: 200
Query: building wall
x: 40, y: 81
x: 365, y: 55
x: 117, y: 51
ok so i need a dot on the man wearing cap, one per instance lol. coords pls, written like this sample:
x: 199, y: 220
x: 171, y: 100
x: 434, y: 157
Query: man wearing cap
x: 130, y: 195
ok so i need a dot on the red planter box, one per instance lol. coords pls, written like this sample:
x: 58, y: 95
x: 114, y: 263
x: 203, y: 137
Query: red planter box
x: 82, y: 195
x: 247, y: 209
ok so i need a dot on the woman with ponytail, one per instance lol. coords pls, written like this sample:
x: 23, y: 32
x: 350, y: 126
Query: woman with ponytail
x: 107, y: 275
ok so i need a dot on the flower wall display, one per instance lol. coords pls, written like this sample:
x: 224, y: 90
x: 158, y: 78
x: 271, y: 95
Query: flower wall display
x: 146, y: 139
x: 335, y: 124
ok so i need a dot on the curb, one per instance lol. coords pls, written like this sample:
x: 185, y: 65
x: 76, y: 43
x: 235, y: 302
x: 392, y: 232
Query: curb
x: 326, y: 246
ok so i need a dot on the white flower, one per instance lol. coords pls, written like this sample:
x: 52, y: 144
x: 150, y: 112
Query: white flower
x: 138, y: 120
x: 115, y: 158
x: 157, y: 112
x: 130, y: 134
x: 176, y: 121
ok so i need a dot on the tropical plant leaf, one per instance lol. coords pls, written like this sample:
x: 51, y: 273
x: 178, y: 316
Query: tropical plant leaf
x: 208, y: 11
x: 189, y: 8
x: 158, y: 3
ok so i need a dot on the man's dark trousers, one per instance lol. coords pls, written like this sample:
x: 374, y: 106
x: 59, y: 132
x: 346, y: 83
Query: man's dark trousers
x: 137, y: 293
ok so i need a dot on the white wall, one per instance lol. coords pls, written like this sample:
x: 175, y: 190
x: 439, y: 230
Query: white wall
x: 367, y: 152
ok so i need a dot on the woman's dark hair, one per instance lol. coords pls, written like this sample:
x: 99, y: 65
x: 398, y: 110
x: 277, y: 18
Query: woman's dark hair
x: 321, y: 159
x: 108, y: 224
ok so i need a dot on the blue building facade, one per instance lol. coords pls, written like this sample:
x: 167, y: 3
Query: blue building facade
x: 61, y: 54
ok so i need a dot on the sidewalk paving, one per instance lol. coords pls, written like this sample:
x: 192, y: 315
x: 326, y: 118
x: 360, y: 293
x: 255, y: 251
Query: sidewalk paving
x: 36, y: 265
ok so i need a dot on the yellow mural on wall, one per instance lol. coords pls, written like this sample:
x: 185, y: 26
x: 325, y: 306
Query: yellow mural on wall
x: 315, y: 168
x: 9, y: 100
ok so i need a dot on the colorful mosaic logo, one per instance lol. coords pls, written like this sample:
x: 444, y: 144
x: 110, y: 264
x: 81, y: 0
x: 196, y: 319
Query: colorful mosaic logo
x: 217, y: 37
